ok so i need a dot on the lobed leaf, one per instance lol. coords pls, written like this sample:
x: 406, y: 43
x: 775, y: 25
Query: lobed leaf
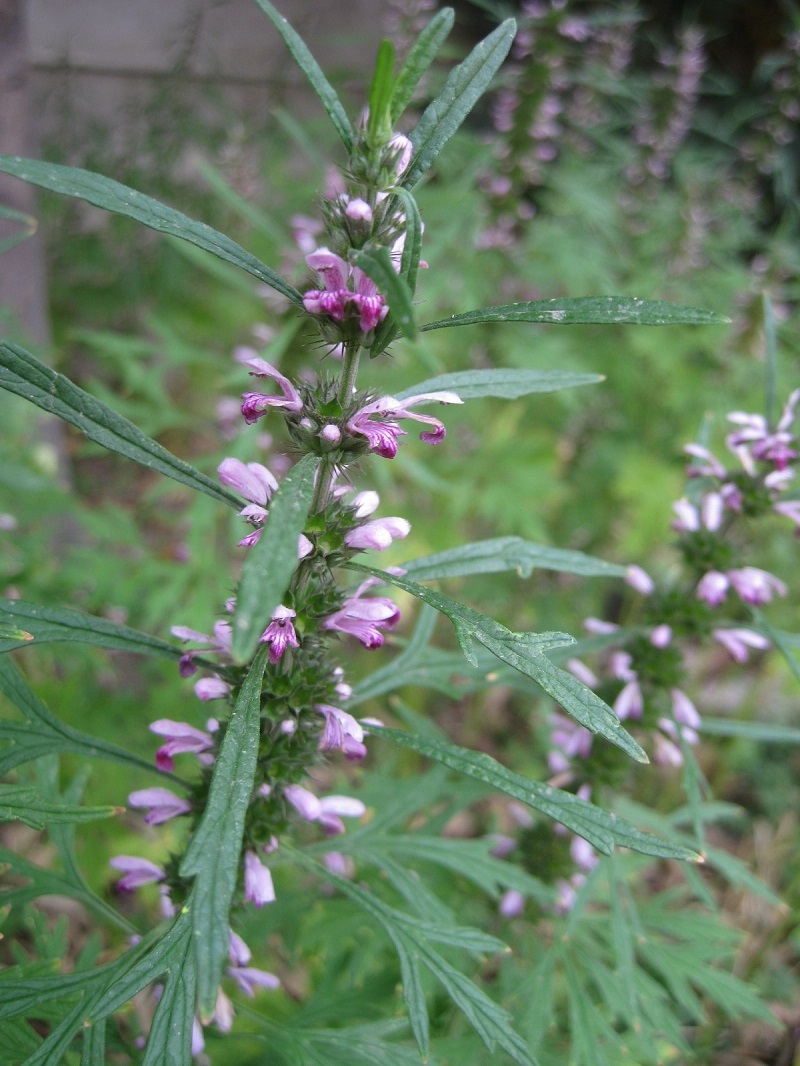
x: 271, y: 562
x: 587, y: 310
x: 377, y: 264
x: 23, y: 804
x: 122, y: 200
x: 524, y: 652
x: 603, y: 830
x: 213, y: 854
x: 312, y: 70
x: 169, y: 1042
x: 501, y: 383
x: 23, y: 374
x: 508, y: 553
x: 420, y: 56
x: 46, y: 733
x: 464, y: 87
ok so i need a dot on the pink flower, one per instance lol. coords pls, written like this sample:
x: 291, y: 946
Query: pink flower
x: 377, y: 534
x: 256, y: 404
x: 211, y: 688
x: 512, y: 903
x: 181, y: 738
x: 162, y: 803
x: 630, y: 702
x: 639, y: 580
x: 337, y: 297
x: 248, y: 978
x: 258, y: 887
x: 383, y: 433
x: 364, y: 618
x: 341, y: 731
x: 280, y: 633
x: 713, y: 588
x: 739, y: 642
x: 136, y: 872
x: 756, y: 586
x: 251, y: 480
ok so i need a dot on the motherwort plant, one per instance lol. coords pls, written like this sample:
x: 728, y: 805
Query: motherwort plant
x: 274, y: 666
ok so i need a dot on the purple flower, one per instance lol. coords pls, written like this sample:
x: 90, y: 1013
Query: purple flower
x: 251, y: 480
x: 377, y: 534
x: 248, y: 978
x: 713, y: 588
x: 630, y: 702
x: 739, y: 642
x: 341, y: 731
x: 181, y: 738
x: 258, y: 887
x: 512, y: 903
x: 136, y: 872
x: 639, y: 580
x: 383, y: 433
x: 755, y: 586
x: 337, y: 297
x: 211, y: 688
x: 280, y: 633
x: 256, y: 404
x: 364, y: 618
x: 162, y: 803
x: 304, y: 802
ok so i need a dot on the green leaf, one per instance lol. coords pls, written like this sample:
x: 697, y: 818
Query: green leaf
x: 23, y: 804
x: 377, y: 264
x: 604, y: 831
x: 464, y: 87
x: 587, y: 310
x: 47, y: 733
x: 29, y: 224
x: 54, y: 624
x: 23, y: 374
x: 412, y: 940
x: 214, y: 850
x: 379, y: 120
x: 412, y: 248
x: 422, y: 53
x: 312, y: 70
x: 93, y: 1050
x: 508, y: 553
x: 501, y: 383
x: 271, y: 562
x: 760, y: 732
x: 8, y: 632
x: 112, y: 196
x: 524, y: 652
x: 169, y: 1042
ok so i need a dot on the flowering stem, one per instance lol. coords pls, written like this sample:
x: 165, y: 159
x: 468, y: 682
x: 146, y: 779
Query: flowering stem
x: 347, y: 381
x: 325, y: 476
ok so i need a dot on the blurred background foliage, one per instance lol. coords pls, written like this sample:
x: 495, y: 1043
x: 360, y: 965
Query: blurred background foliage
x: 645, y: 149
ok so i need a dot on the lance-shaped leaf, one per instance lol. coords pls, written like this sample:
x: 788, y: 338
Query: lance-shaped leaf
x: 46, y: 733
x: 312, y: 70
x: 23, y: 804
x: 508, y: 553
x: 524, y: 652
x: 14, y: 633
x: 603, y: 831
x: 587, y: 310
x: 412, y: 248
x: 169, y: 1042
x: 377, y: 264
x: 47, y: 625
x: 23, y: 374
x: 464, y: 87
x: 93, y: 1050
x: 379, y: 118
x: 122, y: 200
x: 421, y: 54
x: 502, y: 383
x: 213, y: 853
x: 271, y: 562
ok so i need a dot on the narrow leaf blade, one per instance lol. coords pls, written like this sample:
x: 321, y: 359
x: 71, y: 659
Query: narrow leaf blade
x: 23, y: 804
x: 23, y: 374
x: 421, y: 55
x: 502, y: 383
x: 587, y: 310
x: 214, y: 850
x: 312, y: 70
x: 377, y: 264
x: 601, y: 829
x: 508, y: 553
x: 466, y: 84
x: 271, y: 562
x: 122, y: 200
